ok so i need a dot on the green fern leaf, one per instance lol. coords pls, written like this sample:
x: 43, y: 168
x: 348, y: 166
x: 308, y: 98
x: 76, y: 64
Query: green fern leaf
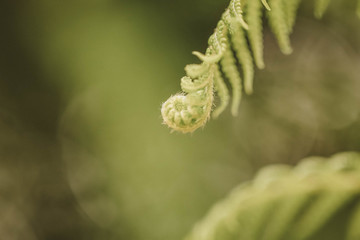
x: 237, y: 13
x: 291, y: 7
x: 254, y: 19
x: 228, y: 64
x: 222, y: 92
x: 245, y: 59
x: 279, y: 26
x: 325, y: 207
x: 291, y: 206
x: 266, y: 5
x: 288, y: 203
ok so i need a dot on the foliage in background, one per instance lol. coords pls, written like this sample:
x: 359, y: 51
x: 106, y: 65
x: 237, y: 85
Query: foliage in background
x: 317, y: 199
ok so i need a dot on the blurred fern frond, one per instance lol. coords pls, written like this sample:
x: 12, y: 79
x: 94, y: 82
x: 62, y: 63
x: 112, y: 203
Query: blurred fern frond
x: 303, y: 202
x: 240, y: 29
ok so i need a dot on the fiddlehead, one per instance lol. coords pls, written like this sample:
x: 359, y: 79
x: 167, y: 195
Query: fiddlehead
x: 187, y: 111
x: 182, y: 112
x: 289, y: 203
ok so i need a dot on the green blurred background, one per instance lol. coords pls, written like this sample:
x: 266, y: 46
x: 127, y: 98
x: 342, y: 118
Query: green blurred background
x: 83, y: 153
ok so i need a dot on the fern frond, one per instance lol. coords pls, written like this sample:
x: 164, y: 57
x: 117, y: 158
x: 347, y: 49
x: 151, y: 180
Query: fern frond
x: 236, y: 11
x: 187, y: 111
x: 217, y: 45
x: 245, y: 59
x: 320, y: 7
x: 228, y: 64
x: 286, y: 214
x: 266, y: 5
x: 279, y: 26
x: 222, y: 92
x: 254, y: 19
x: 322, y: 210
x: 291, y: 7
x: 288, y: 203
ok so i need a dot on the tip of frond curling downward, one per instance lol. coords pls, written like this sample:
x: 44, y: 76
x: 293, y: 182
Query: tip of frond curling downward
x: 266, y: 5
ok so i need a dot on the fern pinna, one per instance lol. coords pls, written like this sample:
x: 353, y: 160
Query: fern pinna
x: 239, y: 31
x: 317, y: 199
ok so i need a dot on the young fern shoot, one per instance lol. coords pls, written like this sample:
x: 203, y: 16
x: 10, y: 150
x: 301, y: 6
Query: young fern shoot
x: 240, y: 29
x: 186, y: 112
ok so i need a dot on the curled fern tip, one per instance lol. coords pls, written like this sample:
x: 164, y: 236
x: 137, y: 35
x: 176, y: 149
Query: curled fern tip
x: 237, y: 38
